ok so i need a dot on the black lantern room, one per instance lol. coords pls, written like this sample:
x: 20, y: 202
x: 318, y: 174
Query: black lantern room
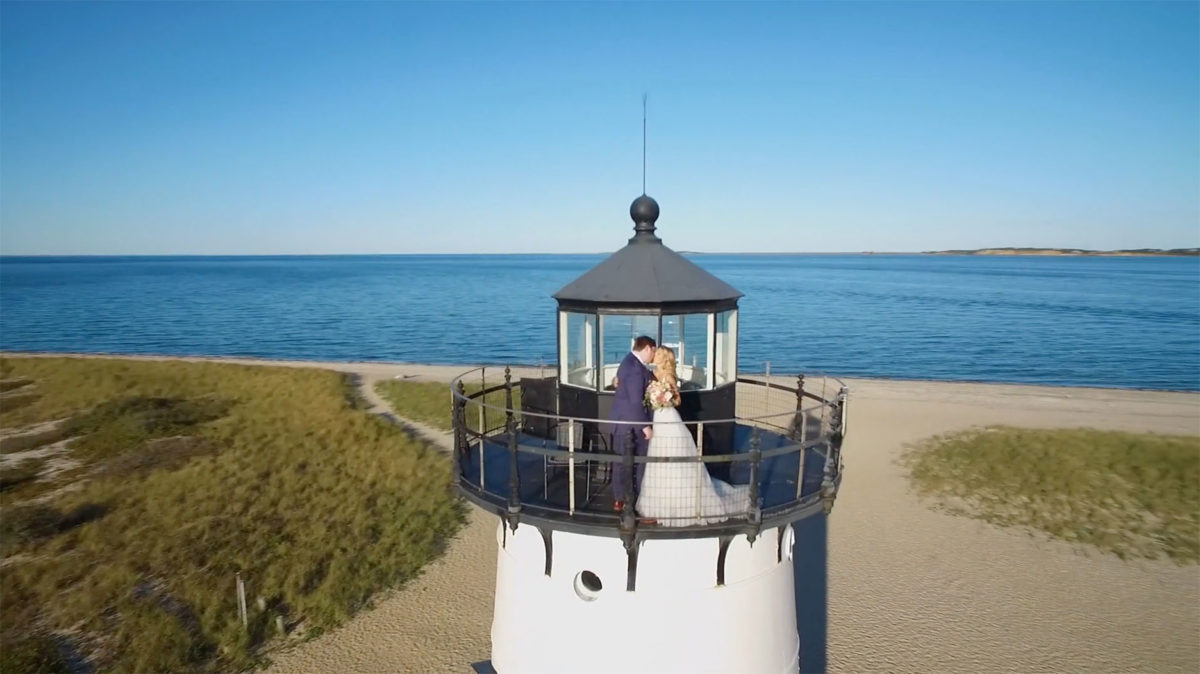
x: 646, y: 288
x: 549, y: 459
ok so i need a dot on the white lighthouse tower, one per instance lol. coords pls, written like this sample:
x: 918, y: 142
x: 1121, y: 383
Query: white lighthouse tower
x: 583, y: 587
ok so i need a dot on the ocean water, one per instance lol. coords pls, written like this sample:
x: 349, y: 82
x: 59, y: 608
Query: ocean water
x: 1082, y: 321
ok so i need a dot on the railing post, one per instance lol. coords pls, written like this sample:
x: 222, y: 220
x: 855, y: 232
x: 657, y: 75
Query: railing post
x: 514, y: 478
x: 481, y: 428
x: 481, y: 418
x: 798, y: 426
x: 837, y: 428
x: 799, y: 431
x: 843, y: 395
x: 509, y: 417
x: 828, y: 487
x: 571, y: 463
x: 840, y: 432
x: 458, y: 419
x: 767, y: 391
x: 628, y: 519
x: 755, y: 514
x: 703, y: 472
x: 833, y: 461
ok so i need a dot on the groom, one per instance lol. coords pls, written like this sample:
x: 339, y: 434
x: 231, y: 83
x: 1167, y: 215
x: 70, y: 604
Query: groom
x: 629, y: 404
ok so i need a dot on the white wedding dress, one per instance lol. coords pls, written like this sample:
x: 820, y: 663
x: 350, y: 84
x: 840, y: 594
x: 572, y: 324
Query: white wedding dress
x: 683, y: 494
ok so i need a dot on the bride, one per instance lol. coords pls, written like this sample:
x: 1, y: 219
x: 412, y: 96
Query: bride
x: 681, y: 493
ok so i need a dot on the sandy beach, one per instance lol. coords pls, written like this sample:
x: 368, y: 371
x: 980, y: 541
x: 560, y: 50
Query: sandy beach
x: 909, y: 589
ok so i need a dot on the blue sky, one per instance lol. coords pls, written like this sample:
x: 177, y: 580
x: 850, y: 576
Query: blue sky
x: 280, y: 128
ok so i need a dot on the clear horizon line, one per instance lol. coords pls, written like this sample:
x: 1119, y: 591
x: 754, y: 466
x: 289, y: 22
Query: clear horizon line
x: 604, y: 252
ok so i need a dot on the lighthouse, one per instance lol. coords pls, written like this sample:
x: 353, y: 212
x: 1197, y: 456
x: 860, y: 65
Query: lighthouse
x: 583, y: 582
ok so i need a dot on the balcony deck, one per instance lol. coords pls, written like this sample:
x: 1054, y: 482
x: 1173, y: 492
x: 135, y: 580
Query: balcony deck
x: 543, y: 473
x: 573, y: 489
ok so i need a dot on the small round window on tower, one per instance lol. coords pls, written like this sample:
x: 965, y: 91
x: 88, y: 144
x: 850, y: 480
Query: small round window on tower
x: 588, y: 585
x: 788, y: 545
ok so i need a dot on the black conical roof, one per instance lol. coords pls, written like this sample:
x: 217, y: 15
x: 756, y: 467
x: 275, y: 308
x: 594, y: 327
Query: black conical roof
x: 646, y: 272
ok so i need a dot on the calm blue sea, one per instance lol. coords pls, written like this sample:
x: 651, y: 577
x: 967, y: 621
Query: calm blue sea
x: 1112, y: 322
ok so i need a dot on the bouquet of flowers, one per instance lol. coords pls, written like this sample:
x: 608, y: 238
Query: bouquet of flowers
x: 660, y: 394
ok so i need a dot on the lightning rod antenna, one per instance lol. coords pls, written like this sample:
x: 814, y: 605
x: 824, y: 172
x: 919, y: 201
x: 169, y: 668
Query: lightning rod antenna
x: 643, y: 143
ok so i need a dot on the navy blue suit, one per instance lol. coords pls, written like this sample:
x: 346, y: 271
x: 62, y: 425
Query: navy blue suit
x: 629, y: 404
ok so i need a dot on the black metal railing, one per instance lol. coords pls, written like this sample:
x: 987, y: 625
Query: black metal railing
x: 776, y: 460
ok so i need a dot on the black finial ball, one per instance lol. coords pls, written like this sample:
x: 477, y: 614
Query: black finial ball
x: 644, y: 210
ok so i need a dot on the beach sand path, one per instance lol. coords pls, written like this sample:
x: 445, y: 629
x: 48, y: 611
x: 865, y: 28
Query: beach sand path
x: 909, y: 588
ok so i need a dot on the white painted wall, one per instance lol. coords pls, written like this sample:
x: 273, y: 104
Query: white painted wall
x: 677, y: 619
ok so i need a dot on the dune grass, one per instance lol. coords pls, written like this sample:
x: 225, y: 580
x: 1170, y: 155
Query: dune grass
x: 27, y: 441
x: 20, y: 473
x: 1134, y: 495
x: 17, y: 399
x: 33, y: 654
x: 194, y: 473
x: 13, y: 384
x: 430, y: 402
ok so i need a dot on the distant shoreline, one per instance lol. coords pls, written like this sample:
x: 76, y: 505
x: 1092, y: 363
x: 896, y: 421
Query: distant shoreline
x: 442, y: 371
x: 1133, y: 252
x: 1050, y: 252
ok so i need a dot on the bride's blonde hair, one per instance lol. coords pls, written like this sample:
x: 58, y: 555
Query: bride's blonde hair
x: 664, y: 367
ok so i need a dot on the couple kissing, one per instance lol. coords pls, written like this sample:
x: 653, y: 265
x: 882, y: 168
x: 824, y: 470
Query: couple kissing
x: 667, y: 493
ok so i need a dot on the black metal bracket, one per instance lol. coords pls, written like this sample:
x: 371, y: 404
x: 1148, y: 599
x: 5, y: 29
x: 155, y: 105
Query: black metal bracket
x: 631, y: 563
x: 722, y: 551
x: 548, y: 541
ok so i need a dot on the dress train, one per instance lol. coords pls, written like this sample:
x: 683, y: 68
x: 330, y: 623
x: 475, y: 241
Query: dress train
x: 683, y: 493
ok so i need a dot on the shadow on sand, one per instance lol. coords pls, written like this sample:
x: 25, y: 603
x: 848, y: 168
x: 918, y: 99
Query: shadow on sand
x: 810, y: 564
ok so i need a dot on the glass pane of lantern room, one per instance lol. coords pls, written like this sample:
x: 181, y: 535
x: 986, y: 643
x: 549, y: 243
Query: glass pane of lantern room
x: 725, y: 361
x: 578, y: 357
x: 687, y: 334
x: 617, y: 332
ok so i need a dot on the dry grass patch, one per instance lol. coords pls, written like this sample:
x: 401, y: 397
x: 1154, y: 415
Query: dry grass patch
x: 42, y: 434
x: 17, y: 400
x: 39, y: 653
x: 430, y: 402
x: 1131, y: 494
x: 196, y: 472
x: 20, y: 473
x: 13, y: 384
x: 426, y: 402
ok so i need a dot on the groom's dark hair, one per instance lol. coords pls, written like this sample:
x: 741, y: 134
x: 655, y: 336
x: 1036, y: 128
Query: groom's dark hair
x: 642, y: 342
